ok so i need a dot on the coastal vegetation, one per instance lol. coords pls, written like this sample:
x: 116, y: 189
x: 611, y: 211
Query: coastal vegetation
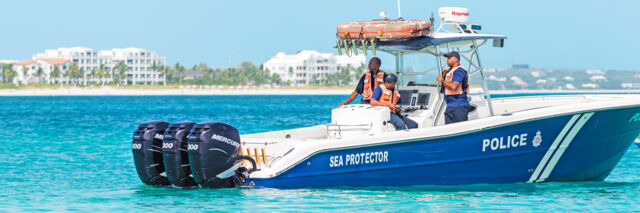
x: 246, y: 74
x: 249, y: 75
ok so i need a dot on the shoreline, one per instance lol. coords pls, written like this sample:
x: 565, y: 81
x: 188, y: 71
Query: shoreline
x: 110, y: 91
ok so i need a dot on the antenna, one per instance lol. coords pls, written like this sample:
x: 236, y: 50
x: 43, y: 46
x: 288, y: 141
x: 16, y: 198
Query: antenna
x: 399, y: 13
x: 432, y: 20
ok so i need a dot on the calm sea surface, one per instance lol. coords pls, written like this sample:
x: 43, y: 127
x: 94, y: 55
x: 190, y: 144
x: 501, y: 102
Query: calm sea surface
x: 74, y: 153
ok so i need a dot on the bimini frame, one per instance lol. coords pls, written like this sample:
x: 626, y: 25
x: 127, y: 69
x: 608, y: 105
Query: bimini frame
x: 437, y: 44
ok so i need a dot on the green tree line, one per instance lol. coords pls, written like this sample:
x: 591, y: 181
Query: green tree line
x: 245, y: 74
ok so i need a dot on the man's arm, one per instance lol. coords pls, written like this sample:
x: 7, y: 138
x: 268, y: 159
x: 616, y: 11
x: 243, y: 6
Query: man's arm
x: 451, y: 85
x: 375, y: 99
x: 393, y: 108
x: 355, y: 93
x: 458, y: 77
x: 375, y: 102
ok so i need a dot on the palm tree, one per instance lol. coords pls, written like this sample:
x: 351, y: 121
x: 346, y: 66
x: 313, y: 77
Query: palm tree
x: 111, y: 76
x: 100, y: 73
x: 71, y: 72
x: 164, y: 69
x: 74, y: 73
x: 180, y: 70
x: 39, y: 74
x: 93, y: 75
x: 8, y: 73
x: 56, y: 72
x: 122, y: 72
x: 154, y: 69
x: 275, y: 79
x: 168, y: 75
x: 82, y: 74
x: 105, y: 74
x: 25, y: 72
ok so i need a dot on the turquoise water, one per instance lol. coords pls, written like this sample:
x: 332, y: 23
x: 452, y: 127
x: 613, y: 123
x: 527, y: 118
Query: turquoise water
x: 73, y: 153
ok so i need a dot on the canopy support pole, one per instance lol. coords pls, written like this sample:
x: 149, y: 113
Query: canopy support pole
x: 399, y: 66
x: 484, y: 83
x: 441, y: 102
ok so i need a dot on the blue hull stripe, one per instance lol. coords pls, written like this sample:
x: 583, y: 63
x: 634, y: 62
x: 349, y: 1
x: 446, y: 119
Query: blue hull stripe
x: 553, y: 147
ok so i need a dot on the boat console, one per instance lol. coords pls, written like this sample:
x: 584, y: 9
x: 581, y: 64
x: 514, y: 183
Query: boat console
x: 418, y: 102
x: 417, y: 96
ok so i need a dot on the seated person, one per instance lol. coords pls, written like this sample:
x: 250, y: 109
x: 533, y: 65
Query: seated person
x: 386, y: 95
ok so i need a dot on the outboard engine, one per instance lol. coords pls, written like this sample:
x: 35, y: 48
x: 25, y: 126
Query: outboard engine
x: 147, y: 154
x: 214, y: 154
x: 175, y: 156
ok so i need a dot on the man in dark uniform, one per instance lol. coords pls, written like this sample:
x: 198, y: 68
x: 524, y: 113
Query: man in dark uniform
x: 456, y: 88
x: 368, y: 82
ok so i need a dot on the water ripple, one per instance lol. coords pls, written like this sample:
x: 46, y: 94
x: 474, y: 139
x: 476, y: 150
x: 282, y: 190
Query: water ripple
x: 73, y: 154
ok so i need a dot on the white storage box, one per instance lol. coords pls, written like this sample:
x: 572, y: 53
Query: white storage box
x: 359, y: 119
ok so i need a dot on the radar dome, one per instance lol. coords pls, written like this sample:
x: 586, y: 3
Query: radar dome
x: 454, y: 14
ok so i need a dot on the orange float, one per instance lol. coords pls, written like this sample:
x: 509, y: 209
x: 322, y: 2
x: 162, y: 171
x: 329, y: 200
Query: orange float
x: 384, y: 29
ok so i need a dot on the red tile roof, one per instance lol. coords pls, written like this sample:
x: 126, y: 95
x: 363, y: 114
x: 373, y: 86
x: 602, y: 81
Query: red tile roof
x: 55, y: 61
x: 26, y: 62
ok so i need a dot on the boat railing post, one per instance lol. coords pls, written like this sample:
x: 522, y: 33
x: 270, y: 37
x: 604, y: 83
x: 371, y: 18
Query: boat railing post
x: 440, y: 102
x: 484, y: 83
x: 400, y: 71
x: 439, y: 64
x: 399, y: 66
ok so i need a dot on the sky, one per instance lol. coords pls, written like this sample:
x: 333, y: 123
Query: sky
x: 543, y: 33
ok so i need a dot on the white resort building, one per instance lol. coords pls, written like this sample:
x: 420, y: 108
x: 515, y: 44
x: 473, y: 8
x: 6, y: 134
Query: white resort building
x: 27, y: 71
x: 305, y: 66
x: 139, y: 62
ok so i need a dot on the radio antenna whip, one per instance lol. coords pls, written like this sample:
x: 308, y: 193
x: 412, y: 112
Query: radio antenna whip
x: 399, y: 14
x: 432, y: 20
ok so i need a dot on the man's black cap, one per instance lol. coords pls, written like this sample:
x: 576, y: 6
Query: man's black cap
x: 453, y: 53
x: 391, y: 78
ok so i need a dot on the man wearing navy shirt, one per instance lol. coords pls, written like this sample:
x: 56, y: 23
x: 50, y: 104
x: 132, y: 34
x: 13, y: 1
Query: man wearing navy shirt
x: 456, y: 88
x: 386, y: 95
x: 368, y: 82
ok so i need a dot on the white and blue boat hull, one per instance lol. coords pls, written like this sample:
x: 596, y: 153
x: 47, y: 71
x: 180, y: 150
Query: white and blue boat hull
x: 583, y: 146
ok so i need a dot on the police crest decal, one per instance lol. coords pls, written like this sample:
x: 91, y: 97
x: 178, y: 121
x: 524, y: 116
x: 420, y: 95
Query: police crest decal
x: 537, y: 140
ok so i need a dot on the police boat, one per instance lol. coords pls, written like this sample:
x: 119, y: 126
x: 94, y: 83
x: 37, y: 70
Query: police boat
x: 506, y: 140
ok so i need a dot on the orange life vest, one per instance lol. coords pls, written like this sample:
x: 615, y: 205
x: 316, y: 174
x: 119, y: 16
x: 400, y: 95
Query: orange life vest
x: 368, y: 90
x: 449, y: 77
x: 389, y: 96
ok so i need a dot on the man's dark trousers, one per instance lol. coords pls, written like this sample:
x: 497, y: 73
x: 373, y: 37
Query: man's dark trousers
x: 455, y: 114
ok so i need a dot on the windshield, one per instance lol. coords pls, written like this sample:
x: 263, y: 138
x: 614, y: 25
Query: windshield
x: 417, y: 68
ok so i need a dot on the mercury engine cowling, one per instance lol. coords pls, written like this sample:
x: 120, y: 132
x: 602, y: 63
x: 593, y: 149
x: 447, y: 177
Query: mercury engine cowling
x: 214, y: 155
x: 147, y: 154
x: 175, y: 156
